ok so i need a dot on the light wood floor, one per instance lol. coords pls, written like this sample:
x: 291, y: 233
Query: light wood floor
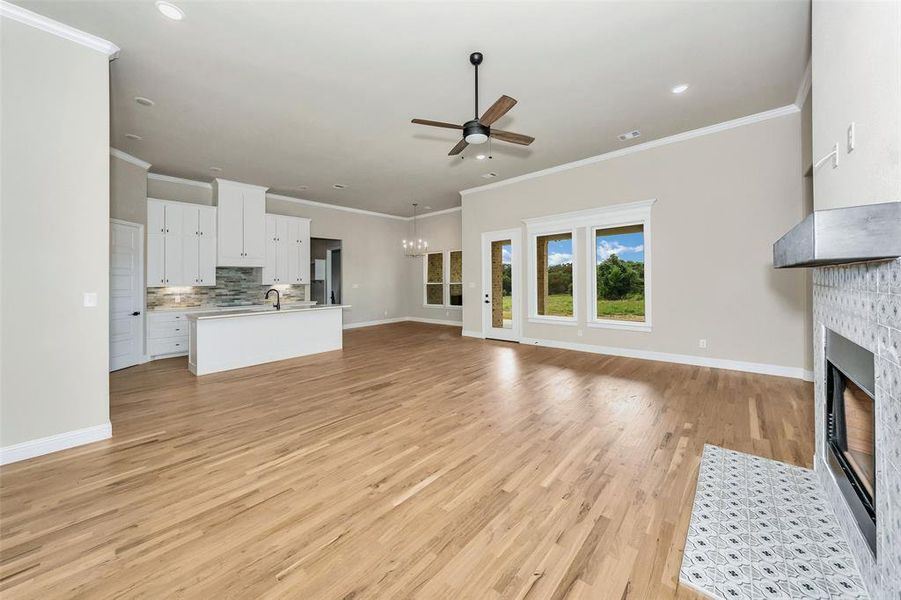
x: 412, y: 464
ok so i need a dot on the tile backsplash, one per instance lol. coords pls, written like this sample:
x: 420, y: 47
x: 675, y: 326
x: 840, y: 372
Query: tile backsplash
x: 235, y: 286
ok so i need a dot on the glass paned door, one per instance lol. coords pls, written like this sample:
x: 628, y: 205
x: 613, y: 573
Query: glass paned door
x: 500, y: 256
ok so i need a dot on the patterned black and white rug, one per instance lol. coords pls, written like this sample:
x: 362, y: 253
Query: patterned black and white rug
x: 762, y: 529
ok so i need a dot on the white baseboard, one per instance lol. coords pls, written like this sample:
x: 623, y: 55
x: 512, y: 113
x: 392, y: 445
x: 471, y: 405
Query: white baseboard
x: 372, y: 323
x: 685, y: 359
x: 401, y: 320
x: 474, y: 334
x: 55, y: 443
x: 435, y: 321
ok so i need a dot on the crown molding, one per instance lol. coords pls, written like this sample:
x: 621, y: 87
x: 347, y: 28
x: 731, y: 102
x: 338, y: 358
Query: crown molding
x: 170, y: 179
x: 349, y: 209
x: 115, y: 152
x: 804, y: 88
x: 274, y: 196
x: 32, y: 19
x: 446, y: 211
x: 679, y: 137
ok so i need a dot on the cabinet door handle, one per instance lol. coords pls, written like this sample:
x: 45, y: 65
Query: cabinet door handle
x: 136, y: 313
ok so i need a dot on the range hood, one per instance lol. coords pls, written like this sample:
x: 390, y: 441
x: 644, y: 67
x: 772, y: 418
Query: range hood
x: 842, y: 235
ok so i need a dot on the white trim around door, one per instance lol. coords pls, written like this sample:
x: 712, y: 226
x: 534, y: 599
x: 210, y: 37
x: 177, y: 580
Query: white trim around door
x: 514, y: 332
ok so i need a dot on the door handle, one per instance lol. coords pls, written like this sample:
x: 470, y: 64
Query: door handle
x: 136, y: 313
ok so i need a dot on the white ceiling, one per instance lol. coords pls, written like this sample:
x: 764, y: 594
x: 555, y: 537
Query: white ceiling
x: 286, y: 94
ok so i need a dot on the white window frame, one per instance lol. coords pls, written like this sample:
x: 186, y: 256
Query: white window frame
x: 615, y: 215
x: 448, y: 282
x: 536, y: 229
x: 445, y: 280
x: 636, y: 213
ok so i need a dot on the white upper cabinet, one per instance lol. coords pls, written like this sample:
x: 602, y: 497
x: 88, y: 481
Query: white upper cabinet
x: 287, y: 250
x: 156, y: 217
x: 241, y: 224
x: 181, y: 242
x: 302, y: 274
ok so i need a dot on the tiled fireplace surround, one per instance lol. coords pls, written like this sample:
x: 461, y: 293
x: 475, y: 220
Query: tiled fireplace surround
x: 862, y: 302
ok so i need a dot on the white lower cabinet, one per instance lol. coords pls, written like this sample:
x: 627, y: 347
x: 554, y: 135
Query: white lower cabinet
x: 167, y: 333
x: 287, y: 251
x: 181, y: 244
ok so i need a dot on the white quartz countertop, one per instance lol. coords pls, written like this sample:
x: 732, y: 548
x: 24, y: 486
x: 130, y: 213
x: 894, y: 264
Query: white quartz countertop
x: 247, y: 307
x: 255, y: 312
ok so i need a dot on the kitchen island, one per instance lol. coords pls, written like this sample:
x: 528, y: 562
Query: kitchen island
x: 231, y: 339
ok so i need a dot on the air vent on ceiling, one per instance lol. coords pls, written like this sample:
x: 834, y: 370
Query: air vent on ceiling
x: 629, y: 135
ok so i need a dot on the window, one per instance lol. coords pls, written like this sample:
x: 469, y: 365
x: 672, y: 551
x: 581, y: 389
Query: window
x: 434, y: 282
x: 455, y: 278
x: 554, y: 296
x: 443, y: 279
x: 619, y: 273
x: 615, y: 243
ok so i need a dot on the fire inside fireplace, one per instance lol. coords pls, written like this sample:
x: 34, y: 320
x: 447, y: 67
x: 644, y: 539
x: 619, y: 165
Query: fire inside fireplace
x: 851, y: 428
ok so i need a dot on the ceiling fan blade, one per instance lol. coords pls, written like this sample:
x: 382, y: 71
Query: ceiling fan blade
x: 513, y: 138
x: 436, y: 124
x: 497, y: 110
x: 458, y: 148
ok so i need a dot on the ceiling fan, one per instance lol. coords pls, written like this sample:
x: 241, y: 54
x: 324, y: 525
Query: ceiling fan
x: 478, y: 130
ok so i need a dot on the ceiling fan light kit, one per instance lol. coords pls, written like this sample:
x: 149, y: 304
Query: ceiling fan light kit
x: 478, y: 130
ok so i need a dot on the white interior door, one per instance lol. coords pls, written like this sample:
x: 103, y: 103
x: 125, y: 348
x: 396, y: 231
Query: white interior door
x: 501, y: 300
x: 126, y: 318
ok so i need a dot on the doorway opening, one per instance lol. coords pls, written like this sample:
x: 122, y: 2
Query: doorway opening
x: 325, y: 259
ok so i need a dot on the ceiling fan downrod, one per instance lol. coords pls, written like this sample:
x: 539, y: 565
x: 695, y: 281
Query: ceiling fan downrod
x: 476, y: 59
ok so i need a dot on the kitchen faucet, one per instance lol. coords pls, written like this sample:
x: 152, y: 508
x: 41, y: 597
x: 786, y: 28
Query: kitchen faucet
x: 278, y: 300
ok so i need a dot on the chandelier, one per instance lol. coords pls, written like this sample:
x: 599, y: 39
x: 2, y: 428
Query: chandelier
x: 416, y: 246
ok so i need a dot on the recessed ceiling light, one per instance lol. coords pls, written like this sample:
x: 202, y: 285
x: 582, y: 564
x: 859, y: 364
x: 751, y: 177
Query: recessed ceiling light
x: 170, y: 10
x: 132, y: 136
x: 480, y: 157
x: 680, y: 88
x: 489, y: 175
x: 216, y: 169
x: 144, y: 101
x: 339, y: 186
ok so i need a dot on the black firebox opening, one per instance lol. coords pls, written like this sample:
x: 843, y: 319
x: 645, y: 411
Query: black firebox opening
x: 851, y: 429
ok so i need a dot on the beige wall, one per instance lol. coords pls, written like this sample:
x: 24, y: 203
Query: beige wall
x: 54, y: 235
x: 856, y: 68
x: 443, y: 232
x: 722, y: 200
x: 180, y: 192
x: 128, y: 191
x: 372, y: 262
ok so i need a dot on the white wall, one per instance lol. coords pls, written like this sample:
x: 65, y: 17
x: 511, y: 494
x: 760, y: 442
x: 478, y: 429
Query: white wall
x: 54, y: 235
x: 722, y: 200
x: 856, y: 76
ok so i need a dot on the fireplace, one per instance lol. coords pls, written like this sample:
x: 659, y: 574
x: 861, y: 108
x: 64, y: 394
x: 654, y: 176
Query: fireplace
x: 851, y: 428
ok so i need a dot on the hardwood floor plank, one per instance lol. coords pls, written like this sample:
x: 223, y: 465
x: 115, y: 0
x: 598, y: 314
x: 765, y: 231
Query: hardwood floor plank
x: 414, y: 463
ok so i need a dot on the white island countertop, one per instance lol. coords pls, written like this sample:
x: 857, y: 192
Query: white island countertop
x: 228, y: 313
x: 242, y: 337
